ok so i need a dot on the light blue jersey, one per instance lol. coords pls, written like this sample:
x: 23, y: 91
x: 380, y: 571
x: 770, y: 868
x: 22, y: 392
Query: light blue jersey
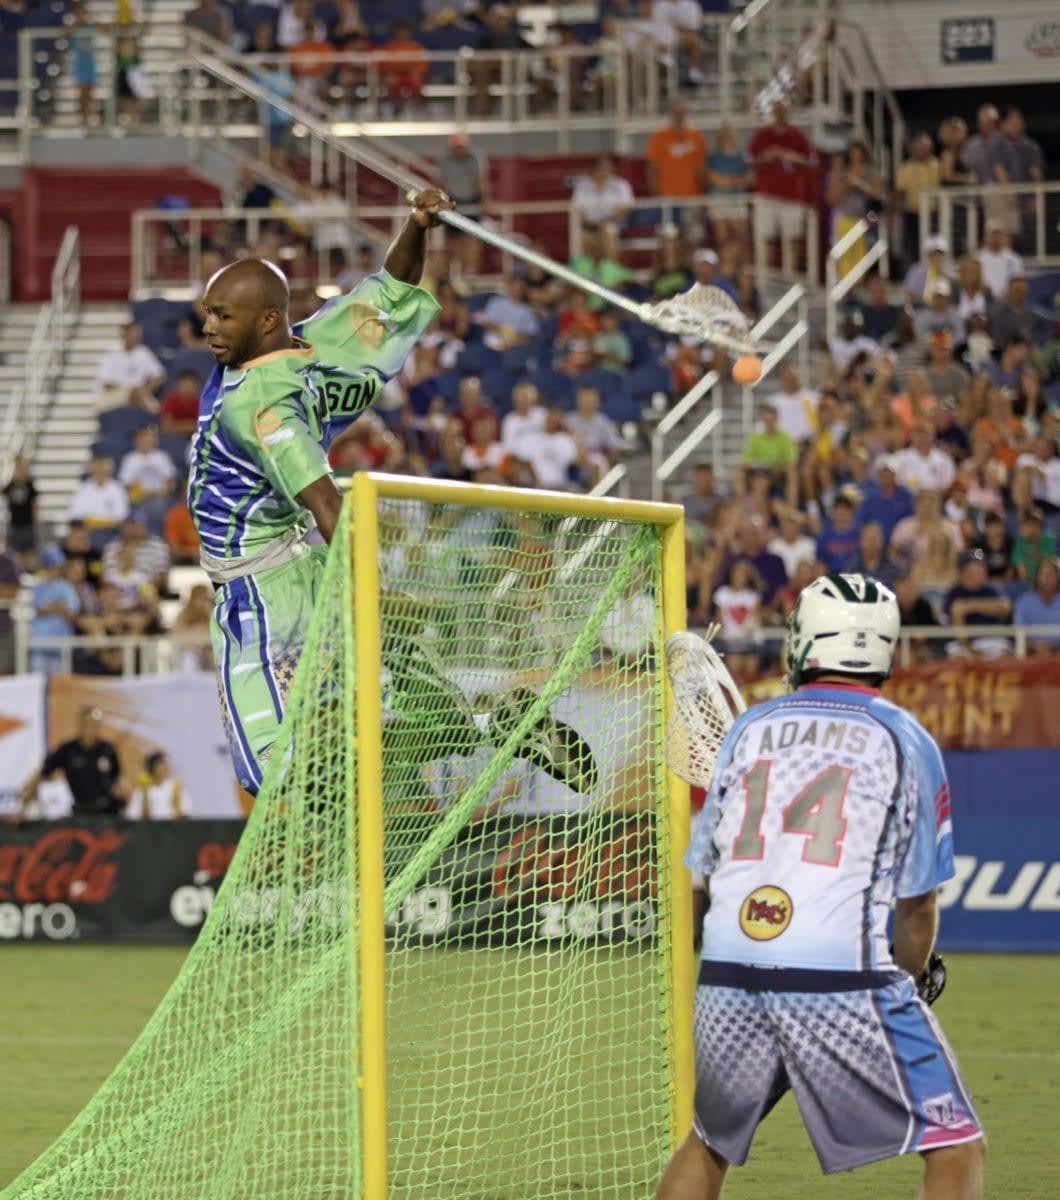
x: 825, y: 806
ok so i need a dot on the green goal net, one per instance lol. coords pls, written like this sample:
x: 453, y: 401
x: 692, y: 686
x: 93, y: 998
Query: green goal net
x: 532, y: 1040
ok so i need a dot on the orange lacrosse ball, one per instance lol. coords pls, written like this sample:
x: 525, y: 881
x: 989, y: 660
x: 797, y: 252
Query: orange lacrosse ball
x: 747, y: 369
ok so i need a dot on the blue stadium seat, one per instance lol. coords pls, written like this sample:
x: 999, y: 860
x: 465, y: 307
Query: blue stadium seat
x: 114, y: 447
x: 479, y: 300
x: 1042, y: 288
x: 176, y: 446
x: 497, y: 383
x: 556, y: 390
x: 124, y: 422
x: 645, y: 380
x: 620, y: 406
x: 249, y: 16
x: 478, y: 358
x: 160, y: 320
x: 202, y: 362
x: 519, y: 358
x: 603, y: 380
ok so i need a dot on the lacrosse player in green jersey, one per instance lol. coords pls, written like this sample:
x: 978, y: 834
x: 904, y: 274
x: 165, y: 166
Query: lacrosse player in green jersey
x: 260, y: 481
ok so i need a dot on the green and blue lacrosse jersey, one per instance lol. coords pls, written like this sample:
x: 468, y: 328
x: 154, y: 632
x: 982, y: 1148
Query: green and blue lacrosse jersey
x: 262, y: 438
x: 264, y: 427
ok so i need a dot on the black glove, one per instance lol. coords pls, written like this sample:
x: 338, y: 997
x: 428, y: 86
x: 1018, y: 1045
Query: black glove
x: 932, y: 983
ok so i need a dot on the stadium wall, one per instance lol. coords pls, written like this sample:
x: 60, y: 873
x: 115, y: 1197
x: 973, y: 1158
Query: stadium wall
x: 111, y: 880
x: 114, y: 880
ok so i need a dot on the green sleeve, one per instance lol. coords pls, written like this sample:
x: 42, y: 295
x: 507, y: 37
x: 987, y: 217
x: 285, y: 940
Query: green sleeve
x: 273, y: 428
x: 376, y: 325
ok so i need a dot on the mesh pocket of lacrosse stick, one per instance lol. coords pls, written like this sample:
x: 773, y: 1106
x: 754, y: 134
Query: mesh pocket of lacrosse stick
x: 706, y: 313
x: 706, y: 703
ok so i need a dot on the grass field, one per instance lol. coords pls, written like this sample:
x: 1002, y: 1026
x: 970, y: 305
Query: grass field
x: 69, y: 1012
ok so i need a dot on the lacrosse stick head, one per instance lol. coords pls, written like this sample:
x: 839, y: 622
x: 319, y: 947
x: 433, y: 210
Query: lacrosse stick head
x: 705, y: 313
x: 706, y: 703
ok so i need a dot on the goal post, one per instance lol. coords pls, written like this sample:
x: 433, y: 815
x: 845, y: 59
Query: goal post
x: 452, y: 956
x: 665, y: 523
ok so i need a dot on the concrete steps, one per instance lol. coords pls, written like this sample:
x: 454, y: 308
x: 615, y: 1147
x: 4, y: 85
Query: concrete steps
x: 70, y: 430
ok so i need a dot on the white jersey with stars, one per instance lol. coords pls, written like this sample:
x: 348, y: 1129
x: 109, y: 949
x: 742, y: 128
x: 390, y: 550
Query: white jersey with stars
x: 825, y: 806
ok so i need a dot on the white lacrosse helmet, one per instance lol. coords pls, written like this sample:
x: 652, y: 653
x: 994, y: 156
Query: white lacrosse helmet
x: 847, y: 624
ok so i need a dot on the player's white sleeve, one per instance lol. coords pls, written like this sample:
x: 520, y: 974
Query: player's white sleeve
x: 928, y: 860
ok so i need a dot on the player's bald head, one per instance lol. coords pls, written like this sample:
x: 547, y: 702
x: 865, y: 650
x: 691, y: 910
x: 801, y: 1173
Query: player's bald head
x: 251, y: 283
x: 246, y: 311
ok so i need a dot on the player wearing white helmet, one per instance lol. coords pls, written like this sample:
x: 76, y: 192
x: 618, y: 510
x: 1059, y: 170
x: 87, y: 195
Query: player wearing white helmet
x: 828, y: 807
x: 844, y: 623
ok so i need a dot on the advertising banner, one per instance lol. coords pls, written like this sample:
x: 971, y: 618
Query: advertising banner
x: 509, y: 877
x: 177, y: 714
x: 110, y: 880
x: 21, y: 735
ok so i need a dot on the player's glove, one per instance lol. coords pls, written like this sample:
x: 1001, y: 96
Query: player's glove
x: 932, y: 983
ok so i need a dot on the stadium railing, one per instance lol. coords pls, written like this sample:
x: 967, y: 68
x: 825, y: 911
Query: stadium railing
x: 838, y: 288
x: 162, y: 267
x: 794, y: 303
x: 960, y: 214
x: 27, y: 406
x: 550, y: 90
x: 170, y: 653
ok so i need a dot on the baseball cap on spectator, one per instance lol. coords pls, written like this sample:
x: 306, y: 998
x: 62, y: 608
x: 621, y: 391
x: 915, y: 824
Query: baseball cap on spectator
x: 993, y: 224
x: 52, y: 556
x: 706, y: 255
x: 1032, y: 514
x: 936, y: 245
x: 971, y: 556
x: 854, y: 316
x: 941, y: 287
x: 885, y: 463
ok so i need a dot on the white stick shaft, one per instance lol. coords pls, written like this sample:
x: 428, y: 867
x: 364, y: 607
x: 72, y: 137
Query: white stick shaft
x: 517, y: 250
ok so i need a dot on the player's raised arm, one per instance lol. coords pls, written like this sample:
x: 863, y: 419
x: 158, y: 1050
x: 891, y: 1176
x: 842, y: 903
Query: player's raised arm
x: 406, y: 257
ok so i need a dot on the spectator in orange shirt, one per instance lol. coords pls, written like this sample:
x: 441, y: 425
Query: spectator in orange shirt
x: 180, y: 534
x: 309, y: 62
x: 403, y: 66
x: 915, y: 403
x: 1002, y: 428
x: 677, y: 157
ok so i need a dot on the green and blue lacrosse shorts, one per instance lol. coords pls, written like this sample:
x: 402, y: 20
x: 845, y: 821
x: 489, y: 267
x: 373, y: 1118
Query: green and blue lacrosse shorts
x: 259, y: 627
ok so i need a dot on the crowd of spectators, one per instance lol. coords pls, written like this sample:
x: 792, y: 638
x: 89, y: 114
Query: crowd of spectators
x: 923, y: 447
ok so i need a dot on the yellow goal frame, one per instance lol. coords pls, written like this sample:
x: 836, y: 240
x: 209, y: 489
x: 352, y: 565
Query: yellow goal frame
x: 367, y: 490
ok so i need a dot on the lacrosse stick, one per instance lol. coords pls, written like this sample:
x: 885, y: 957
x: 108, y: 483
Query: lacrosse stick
x: 705, y: 313
x: 706, y: 703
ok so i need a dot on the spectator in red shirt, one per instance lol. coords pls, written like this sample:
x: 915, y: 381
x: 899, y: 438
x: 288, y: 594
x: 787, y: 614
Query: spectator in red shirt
x: 781, y: 156
x: 403, y: 66
x: 180, y: 405
x: 471, y: 407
